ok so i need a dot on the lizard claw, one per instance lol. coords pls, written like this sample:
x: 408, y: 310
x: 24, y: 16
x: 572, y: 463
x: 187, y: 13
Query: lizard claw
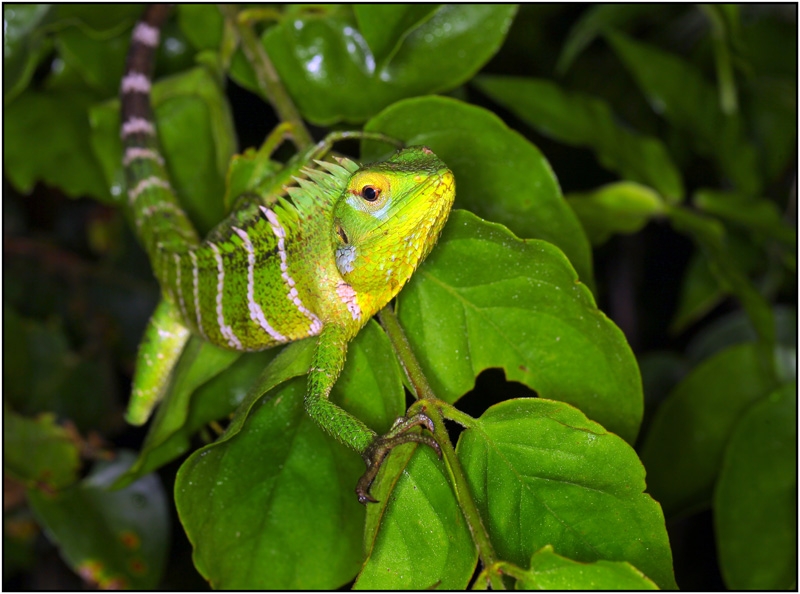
x: 376, y: 453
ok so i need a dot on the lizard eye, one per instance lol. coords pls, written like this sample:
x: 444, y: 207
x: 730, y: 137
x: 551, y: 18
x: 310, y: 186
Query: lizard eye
x: 370, y: 193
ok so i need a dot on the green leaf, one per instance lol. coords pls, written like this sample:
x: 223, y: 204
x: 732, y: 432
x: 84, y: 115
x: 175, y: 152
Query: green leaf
x: 202, y: 24
x: 677, y: 90
x: 581, y: 120
x: 99, y: 60
x: 39, y: 452
x: 709, y: 234
x: 542, y: 473
x: 386, y: 26
x: 773, y: 111
x: 416, y: 537
x: 24, y: 45
x: 46, y: 138
x: 264, y: 508
x: 623, y: 207
x: 31, y: 345
x: 169, y: 433
x: 42, y: 374
x: 684, y: 448
x: 503, y: 178
x: 593, y: 22
x: 114, y: 539
x: 701, y: 291
x: 755, y: 501
x: 275, y: 494
x: 107, y: 148
x: 550, y: 571
x: 113, y: 18
x: 735, y: 328
x: 484, y: 299
x: 755, y: 214
x: 332, y: 75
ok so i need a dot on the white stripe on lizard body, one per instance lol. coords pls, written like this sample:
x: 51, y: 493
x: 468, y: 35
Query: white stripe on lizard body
x: 280, y: 233
x: 227, y: 331
x: 256, y: 312
x: 196, y: 292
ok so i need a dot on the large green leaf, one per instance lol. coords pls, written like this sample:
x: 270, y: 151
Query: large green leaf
x: 542, y: 473
x: 24, y: 44
x: 46, y: 138
x: 684, y: 447
x: 170, y: 431
x: 499, y: 174
x: 114, y: 539
x: 386, y: 26
x: 100, y: 61
x: 202, y: 24
x: 332, y: 74
x: 102, y: 23
x: 755, y: 501
x: 416, y: 537
x: 264, y: 508
x: 676, y: 89
x: 275, y: 494
x: 581, y: 120
x: 486, y: 299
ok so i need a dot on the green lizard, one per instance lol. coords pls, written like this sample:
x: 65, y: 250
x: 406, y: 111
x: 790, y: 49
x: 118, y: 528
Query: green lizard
x: 275, y: 271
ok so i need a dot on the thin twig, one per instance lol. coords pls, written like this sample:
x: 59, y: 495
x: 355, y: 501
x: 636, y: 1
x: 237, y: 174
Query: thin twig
x: 267, y: 77
x: 431, y: 406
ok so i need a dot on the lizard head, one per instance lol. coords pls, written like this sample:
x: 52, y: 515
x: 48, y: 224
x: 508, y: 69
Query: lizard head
x: 388, y: 219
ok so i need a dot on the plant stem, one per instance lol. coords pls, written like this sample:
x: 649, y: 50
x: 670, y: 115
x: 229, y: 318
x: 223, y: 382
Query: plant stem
x: 267, y: 77
x: 432, y: 406
x: 722, y: 57
x: 401, y: 346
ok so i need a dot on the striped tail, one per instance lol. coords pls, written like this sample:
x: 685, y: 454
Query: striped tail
x: 162, y: 226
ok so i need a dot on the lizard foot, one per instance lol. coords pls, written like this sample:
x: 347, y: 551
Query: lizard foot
x: 376, y: 453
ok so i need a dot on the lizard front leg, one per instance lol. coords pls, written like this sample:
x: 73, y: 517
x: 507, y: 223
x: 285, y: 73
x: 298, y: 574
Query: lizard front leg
x: 325, y: 369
